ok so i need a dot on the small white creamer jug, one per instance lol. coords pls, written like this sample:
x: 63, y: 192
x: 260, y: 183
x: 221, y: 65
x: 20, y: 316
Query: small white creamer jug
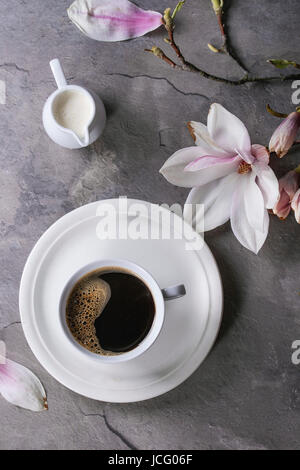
x: 73, y: 116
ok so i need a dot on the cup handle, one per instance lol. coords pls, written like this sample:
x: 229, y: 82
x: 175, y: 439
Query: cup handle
x: 58, y: 73
x: 173, y: 292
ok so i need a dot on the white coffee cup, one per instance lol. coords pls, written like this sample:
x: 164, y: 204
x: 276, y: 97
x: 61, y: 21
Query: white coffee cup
x: 159, y: 296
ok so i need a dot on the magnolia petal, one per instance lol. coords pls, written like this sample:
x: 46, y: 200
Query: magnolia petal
x: 173, y: 169
x: 228, y: 131
x: 202, y: 138
x: 207, y: 161
x: 112, y: 20
x: 282, y: 207
x: 296, y: 205
x: 290, y: 183
x: 268, y: 184
x: 288, y: 186
x: 216, y: 197
x: 21, y: 387
x: 254, y: 202
x: 246, y: 234
x: 261, y: 153
x: 2, y: 352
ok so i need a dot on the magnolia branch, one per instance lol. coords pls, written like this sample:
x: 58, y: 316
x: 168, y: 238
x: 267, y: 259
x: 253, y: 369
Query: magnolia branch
x: 187, y: 66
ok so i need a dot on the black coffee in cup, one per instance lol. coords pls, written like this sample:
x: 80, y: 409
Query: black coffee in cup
x: 110, y: 311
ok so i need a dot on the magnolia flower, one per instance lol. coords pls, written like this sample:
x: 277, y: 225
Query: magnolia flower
x: 288, y: 186
x: 20, y: 386
x: 112, y: 20
x: 229, y: 176
x: 285, y: 134
x: 296, y: 205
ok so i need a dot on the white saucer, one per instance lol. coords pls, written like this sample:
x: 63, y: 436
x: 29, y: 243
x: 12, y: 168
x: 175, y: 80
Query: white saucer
x: 191, y: 322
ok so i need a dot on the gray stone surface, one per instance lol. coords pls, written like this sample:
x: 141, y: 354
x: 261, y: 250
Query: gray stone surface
x: 246, y: 395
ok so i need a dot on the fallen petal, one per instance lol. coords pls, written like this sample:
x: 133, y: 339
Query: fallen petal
x: 21, y: 387
x: 112, y: 20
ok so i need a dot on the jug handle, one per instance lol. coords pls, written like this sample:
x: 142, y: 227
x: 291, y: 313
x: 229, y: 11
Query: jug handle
x: 58, y: 73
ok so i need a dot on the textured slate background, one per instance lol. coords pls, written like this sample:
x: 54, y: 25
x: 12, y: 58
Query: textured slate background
x: 246, y: 395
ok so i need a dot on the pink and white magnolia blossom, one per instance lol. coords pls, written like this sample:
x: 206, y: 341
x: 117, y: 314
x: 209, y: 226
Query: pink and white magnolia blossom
x: 285, y: 134
x: 19, y: 385
x: 288, y: 185
x: 228, y: 175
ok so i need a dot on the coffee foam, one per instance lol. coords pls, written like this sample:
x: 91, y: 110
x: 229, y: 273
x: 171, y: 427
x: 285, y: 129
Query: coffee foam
x: 86, y: 302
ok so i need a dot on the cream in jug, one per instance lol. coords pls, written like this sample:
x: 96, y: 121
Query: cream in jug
x: 72, y: 109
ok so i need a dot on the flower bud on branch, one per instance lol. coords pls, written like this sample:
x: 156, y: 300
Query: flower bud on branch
x: 217, y: 6
x: 213, y: 48
x: 161, y: 55
x: 283, y: 63
x: 168, y: 20
x: 156, y: 51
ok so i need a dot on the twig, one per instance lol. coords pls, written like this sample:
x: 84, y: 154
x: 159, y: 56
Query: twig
x: 226, y: 46
x: 174, y: 46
